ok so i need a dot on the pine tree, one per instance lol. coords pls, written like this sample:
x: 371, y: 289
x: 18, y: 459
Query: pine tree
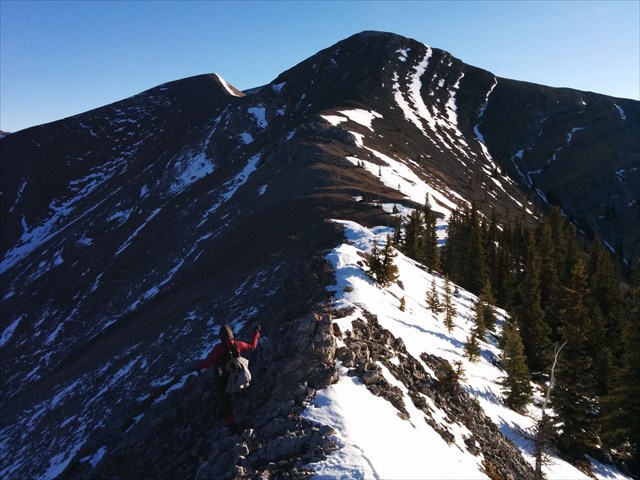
x: 427, y: 209
x: 572, y: 253
x: 597, y: 346
x: 397, y: 231
x: 430, y: 254
x: 550, y: 288
x: 486, y: 301
x: 449, y: 307
x: 453, y: 249
x: 517, y: 384
x: 472, y: 345
x: 381, y: 264
x: 389, y: 271
x: 373, y: 260
x: 621, y: 407
x: 433, y: 299
x: 606, y: 300
x: 504, y: 278
x: 533, y: 329
x: 477, y: 270
x: 413, y: 235
x: 403, y: 304
x: 573, y: 397
x: 480, y: 326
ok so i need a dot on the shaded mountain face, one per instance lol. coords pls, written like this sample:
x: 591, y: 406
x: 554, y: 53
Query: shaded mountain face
x: 131, y: 232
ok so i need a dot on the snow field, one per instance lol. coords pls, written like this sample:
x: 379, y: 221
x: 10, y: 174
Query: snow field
x: 375, y: 442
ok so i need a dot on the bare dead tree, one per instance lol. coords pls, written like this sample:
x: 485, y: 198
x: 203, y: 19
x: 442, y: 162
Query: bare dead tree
x: 544, y: 426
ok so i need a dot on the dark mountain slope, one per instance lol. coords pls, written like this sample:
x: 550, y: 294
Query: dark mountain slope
x: 577, y: 149
x: 129, y: 233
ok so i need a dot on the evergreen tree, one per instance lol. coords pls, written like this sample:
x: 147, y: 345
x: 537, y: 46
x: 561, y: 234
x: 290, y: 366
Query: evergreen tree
x: 573, y: 397
x: 472, y: 346
x: 373, y: 260
x: 381, y: 264
x: 403, y: 304
x: 533, y: 329
x: 477, y: 270
x: 517, y: 384
x: 427, y: 209
x: 397, y: 231
x: 601, y: 365
x: 621, y: 407
x: 550, y: 287
x: 413, y: 234
x: 453, y: 249
x: 389, y: 271
x: 607, y: 298
x: 480, y: 326
x: 572, y: 253
x: 506, y: 281
x: 449, y: 307
x: 429, y: 241
x: 433, y: 299
x: 486, y: 302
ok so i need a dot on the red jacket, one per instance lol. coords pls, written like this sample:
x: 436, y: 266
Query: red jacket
x: 219, y: 354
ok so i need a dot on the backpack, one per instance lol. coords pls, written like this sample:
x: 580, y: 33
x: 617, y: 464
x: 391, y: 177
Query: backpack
x: 239, y: 374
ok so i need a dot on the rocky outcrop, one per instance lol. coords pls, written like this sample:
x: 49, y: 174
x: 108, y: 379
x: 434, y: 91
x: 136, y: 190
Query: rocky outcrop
x: 182, y: 436
x: 368, y: 346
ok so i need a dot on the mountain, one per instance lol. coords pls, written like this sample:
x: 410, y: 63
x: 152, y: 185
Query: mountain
x: 130, y: 233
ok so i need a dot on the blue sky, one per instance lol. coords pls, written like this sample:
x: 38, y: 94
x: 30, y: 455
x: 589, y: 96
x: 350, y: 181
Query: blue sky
x: 62, y: 58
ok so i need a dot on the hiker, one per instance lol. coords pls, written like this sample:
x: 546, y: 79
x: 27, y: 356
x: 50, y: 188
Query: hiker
x: 218, y: 358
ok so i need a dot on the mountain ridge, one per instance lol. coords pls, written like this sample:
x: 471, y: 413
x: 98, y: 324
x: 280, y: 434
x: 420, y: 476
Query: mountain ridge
x: 132, y: 231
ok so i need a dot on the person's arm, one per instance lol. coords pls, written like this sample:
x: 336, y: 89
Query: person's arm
x: 242, y: 346
x: 212, y: 358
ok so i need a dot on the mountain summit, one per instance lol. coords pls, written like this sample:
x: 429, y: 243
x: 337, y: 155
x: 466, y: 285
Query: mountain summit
x: 130, y: 233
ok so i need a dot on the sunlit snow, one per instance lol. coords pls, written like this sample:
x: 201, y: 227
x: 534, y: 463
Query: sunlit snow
x: 375, y: 442
x: 227, y: 87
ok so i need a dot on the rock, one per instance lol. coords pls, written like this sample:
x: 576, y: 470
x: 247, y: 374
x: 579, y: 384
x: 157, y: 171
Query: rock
x: 371, y: 377
x: 241, y: 449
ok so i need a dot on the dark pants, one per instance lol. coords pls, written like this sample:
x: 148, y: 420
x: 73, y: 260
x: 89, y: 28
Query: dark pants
x: 224, y: 398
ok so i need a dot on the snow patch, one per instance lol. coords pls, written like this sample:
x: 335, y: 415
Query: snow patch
x: 363, y: 117
x: 124, y: 246
x: 246, y: 138
x: 192, y: 168
x: 397, y: 175
x: 483, y: 109
x: 620, y: 112
x: 226, y: 86
x: 96, y: 457
x: 259, y: 114
x: 334, y: 120
x: 7, y: 333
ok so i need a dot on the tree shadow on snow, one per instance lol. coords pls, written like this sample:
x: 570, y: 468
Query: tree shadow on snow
x: 485, y: 393
x: 457, y: 344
